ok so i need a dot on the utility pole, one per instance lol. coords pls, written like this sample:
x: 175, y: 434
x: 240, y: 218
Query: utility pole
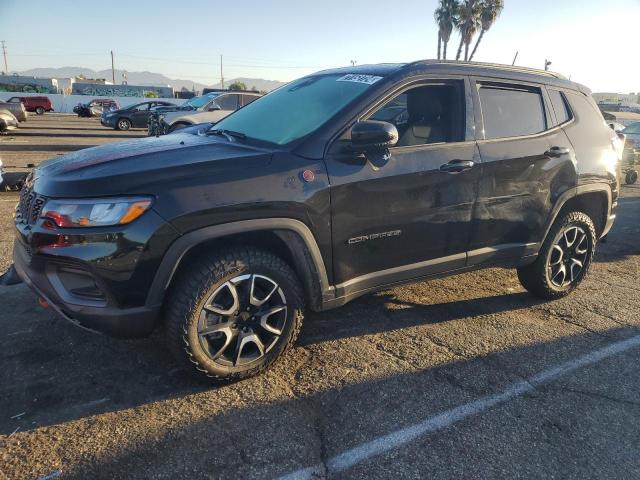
x: 4, y: 53
x: 221, y: 75
x: 514, y: 58
x: 113, y: 70
x: 353, y: 63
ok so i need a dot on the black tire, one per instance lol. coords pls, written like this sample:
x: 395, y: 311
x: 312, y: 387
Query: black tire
x: 631, y: 177
x: 197, y: 285
x: 539, y: 279
x: 40, y: 111
x: 123, y: 124
x: 178, y: 126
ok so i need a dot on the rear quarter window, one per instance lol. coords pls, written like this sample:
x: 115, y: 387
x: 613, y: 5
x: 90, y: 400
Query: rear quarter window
x: 559, y: 104
x: 511, y: 111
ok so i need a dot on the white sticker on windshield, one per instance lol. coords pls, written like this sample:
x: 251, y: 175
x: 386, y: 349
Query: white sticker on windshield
x: 358, y: 78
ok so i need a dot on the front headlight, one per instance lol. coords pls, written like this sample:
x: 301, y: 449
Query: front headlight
x: 95, y: 212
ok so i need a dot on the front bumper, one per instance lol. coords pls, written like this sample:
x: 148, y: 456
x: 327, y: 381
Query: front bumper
x: 40, y: 274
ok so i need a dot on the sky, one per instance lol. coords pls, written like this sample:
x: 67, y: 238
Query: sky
x: 593, y: 42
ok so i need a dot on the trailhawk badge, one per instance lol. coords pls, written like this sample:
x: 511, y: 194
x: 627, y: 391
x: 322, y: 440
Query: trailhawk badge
x: 374, y: 236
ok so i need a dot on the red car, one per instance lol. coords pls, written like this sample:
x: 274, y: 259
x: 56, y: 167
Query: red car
x: 34, y: 104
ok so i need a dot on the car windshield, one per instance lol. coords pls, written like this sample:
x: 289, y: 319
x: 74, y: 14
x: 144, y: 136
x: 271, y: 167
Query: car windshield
x: 298, y: 108
x: 197, y: 102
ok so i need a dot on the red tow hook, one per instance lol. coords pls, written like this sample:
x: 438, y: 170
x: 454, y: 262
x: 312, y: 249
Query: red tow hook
x: 43, y: 303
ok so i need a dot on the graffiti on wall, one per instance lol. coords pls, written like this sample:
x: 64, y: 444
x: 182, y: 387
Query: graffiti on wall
x: 25, y: 88
x: 98, y: 90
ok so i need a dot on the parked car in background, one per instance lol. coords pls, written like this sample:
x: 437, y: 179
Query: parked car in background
x: 134, y: 116
x: 209, y: 108
x: 616, y: 127
x: 37, y: 104
x: 7, y: 121
x: 632, y: 132
x: 96, y: 107
x: 307, y: 199
x: 17, y: 108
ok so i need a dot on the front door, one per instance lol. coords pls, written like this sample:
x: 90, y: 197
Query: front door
x: 406, y: 214
x: 140, y: 117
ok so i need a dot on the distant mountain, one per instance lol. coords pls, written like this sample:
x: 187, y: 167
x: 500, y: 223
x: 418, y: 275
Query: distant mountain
x: 146, y: 78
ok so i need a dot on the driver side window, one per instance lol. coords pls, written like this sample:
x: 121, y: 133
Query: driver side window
x: 426, y: 114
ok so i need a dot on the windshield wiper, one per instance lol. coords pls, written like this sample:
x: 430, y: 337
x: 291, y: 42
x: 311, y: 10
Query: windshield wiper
x: 229, y: 134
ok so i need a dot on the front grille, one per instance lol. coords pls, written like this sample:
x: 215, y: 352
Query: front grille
x: 29, y: 206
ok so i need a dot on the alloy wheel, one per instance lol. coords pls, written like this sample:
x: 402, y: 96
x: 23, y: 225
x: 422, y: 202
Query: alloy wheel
x: 568, y: 256
x: 242, y: 320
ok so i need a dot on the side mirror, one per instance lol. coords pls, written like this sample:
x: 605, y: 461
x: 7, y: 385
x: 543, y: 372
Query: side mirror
x: 373, y: 135
x: 214, y: 107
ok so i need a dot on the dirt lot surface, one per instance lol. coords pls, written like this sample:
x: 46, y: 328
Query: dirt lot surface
x: 464, y: 377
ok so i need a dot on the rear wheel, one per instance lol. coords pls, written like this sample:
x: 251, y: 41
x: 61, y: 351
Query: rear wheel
x: 232, y: 314
x: 563, y: 260
x: 123, y: 124
x: 40, y: 110
x: 631, y: 177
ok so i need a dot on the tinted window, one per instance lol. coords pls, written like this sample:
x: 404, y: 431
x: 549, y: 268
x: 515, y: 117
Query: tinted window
x: 227, y: 102
x: 247, y: 99
x: 511, y: 112
x: 559, y: 106
x: 426, y: 114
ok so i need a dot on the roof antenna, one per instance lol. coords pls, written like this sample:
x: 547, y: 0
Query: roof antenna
x: 514, y: 59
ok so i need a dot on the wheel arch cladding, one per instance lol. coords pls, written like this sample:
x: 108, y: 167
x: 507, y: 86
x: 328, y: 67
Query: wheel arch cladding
x: 291, y: 240
x: 593, y: 203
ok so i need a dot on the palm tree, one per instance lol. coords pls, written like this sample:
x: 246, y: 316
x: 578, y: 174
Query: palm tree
x: 445, y: 18
x: 490, y: 12
x: 468, y: 23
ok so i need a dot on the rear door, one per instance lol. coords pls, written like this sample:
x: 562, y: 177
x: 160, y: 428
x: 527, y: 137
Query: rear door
x: 527, y: 162
x: 400, y: 215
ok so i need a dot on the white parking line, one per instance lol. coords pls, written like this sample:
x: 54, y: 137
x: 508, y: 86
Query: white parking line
x: 380, y: 445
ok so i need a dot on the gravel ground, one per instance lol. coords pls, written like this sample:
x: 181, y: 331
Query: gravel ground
x: 96, y: 407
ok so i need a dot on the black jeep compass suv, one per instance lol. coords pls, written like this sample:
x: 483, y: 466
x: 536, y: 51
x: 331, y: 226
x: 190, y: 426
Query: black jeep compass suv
x: 337, y: 184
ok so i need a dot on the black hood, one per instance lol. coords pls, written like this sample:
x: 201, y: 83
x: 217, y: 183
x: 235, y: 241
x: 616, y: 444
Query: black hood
x: 142, y: 166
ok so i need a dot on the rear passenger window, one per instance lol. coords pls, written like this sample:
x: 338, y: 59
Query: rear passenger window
x: 511, y: 111
x: 559, y: 106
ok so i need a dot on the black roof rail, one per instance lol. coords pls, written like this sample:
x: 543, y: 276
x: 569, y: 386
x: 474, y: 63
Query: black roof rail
x: 497, y: 66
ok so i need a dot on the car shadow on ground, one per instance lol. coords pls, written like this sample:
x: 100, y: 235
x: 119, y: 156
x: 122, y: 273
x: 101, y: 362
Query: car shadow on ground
x: 58, y: 372
x: 266, y: 438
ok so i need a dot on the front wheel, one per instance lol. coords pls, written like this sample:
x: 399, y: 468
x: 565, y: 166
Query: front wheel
x: 40, y: 110
x: 563, y: 260
x: 123, y: 124
x: 232, y: 314
x: 631, y: 177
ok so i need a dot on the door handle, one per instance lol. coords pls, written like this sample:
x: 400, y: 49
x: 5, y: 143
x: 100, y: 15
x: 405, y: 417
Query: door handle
x: 457, y: 166
x: 555, y: 152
